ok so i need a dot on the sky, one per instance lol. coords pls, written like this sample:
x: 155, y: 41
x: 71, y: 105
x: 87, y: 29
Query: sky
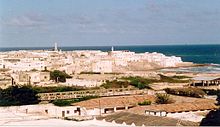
x: 40, y: 23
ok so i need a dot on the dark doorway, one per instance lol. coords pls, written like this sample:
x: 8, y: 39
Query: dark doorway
x: 63, y: 113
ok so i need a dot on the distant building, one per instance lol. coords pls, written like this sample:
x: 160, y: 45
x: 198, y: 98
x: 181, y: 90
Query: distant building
x: 75, y: 62
x: 31, y: 77
x: 205, y: 81
x: 55, y: 47
x: 103, y: 66
x: 112, y: 48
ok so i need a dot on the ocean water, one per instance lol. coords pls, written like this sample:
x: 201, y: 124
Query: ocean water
x: 205, y: 54
x: 201, y: 69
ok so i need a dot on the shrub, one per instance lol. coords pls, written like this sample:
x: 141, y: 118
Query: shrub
x: 34, y: 69
x: 62, y: 102
x: 180, y: 77
x: 139, y: 82
x: 163, y: 99
x: 145, y: 102
x: 189, y: 92
x: 56, y: 89
x: 143, y: 83
x: 115, y: 84
x: 175, y: 79
x: 15, y: 95
x: 90, y: 72
x: 71, y: 101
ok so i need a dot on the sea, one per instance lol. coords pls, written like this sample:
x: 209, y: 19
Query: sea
x: 201, y: 54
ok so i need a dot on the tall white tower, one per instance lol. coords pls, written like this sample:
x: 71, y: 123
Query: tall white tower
x: 55, y: 47
x: 112, y: 48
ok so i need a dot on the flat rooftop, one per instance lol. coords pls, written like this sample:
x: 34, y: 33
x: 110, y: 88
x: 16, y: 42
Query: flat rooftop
x: 110, y: 102
x: 173, y: 108
x: 203, y: 78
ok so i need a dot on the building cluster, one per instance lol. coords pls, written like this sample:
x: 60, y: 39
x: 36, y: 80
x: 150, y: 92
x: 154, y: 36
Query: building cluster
x: 26, y: 66
x: 110, y: 105
x: 84, y: 60
x: 34, y: 67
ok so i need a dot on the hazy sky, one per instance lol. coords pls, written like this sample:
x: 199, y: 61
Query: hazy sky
x: 108, y: 22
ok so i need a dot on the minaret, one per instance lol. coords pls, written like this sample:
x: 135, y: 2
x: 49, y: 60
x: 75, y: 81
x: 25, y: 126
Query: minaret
x: 55, y: 47
x: 112, y: 48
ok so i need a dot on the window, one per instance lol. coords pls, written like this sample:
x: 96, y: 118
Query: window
x: 46, y: 111
x: 68, y: 112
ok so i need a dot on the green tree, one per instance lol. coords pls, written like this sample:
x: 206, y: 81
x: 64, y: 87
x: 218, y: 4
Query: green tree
x: 59, y: 76
x: 15, y: 95
x: 25, y: 95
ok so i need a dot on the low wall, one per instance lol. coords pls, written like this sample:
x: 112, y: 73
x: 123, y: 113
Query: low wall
x: 101, y: 93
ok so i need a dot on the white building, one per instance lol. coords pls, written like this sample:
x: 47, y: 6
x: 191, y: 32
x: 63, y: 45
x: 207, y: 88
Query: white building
x: 32, y: 77
x: 103, y: 66
x: 84, y: 61
x: 45, y: 109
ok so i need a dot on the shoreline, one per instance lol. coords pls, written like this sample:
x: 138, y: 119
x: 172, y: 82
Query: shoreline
x: 188, y: 64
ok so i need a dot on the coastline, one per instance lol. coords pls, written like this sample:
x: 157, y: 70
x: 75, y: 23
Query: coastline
x: 185, y: 64
x: 57, y: 55
x: 204, y: 54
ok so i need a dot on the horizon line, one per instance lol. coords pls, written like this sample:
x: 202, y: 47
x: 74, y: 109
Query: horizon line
x: 106, y: 45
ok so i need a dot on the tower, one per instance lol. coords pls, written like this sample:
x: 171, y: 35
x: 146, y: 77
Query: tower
x: 112, y: 48
x: 55, y: 47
